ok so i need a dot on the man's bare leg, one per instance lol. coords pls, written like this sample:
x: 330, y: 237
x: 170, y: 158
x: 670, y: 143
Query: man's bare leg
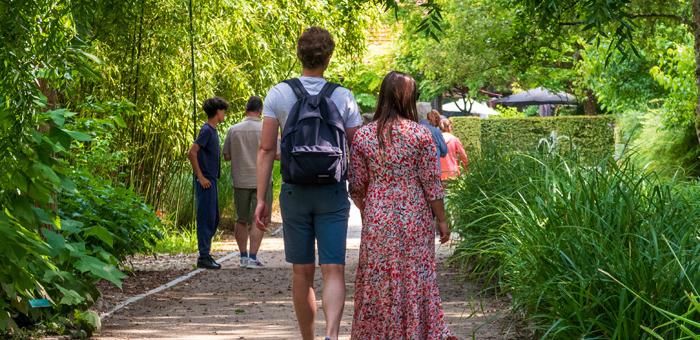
x: 304, y: 298
x: 333, y: 297
x: 256, y: 236
x: 241, y: 233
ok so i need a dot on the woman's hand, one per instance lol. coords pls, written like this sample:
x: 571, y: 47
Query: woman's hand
x: 444, y: 231
x: 360, y: 204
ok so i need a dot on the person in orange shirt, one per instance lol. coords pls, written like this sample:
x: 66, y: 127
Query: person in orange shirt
x: 455, y: 153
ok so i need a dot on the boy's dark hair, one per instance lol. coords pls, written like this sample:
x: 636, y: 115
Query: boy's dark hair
x: 214, y: 104
x: 315, y: 47
x: 254, y: 104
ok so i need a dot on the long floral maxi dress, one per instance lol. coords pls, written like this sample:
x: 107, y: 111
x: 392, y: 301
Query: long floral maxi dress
x: 396, y: 290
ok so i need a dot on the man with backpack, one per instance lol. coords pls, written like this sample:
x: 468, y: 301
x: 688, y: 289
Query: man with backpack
x: 318, y: 121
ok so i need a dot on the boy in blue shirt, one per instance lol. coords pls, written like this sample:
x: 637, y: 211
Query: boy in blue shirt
x: 204, y: 156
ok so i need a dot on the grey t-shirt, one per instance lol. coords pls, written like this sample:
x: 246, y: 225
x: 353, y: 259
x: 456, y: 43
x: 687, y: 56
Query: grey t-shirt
x: 281, y: 98
x: 241, y: 146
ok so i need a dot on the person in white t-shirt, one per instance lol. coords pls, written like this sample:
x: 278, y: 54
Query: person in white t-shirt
x: 310, y: 214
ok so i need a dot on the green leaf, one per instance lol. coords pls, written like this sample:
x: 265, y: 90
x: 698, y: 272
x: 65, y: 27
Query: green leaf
x: 102, y: 234
x: 8, y: 289
x: 71, y: 226
x: 41, y: 100
x: 90, y: 56
x: 59, y: 275
x: 100, y: 269
x: 56, y: 241
x: 58, y: 116
x: 68, y: 185
x: 79, y: 136
x: 70, y: 297
x: 45, y: 171
x: 119, y: 121
x: 58, y: 139
x: 40, y: 193
x: 76, y: 249
x: 22, y: 210
x: 88, y: 321
x: 6, y: 321
x: 42, y: 216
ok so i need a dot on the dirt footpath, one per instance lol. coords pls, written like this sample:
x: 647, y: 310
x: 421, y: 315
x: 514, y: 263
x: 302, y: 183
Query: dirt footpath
x: 235, y: 303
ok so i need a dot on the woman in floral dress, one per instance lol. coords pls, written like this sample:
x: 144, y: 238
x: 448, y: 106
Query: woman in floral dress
x: 395, y: 182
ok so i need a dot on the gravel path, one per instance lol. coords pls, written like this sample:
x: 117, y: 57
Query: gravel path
x: 235, y: 303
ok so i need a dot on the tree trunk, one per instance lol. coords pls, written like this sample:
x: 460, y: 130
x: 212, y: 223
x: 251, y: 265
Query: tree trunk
x: 436, y: 103
x: 590, y: 105
x: 696, y: 30
x: 52, y: 104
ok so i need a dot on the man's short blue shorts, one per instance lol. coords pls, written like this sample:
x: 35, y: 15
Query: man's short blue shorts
x: 315, y: 213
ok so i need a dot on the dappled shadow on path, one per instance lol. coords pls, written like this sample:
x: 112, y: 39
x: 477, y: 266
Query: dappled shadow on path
x: 229, y: 303
x: 236, y: 303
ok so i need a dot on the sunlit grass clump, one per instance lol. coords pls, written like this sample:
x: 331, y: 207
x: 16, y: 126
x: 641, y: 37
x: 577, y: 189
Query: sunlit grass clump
x: 586, y: 251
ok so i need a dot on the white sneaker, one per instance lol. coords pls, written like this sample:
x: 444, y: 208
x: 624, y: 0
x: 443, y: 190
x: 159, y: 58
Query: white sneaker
x: 254, y: 264
x: 244, y: 262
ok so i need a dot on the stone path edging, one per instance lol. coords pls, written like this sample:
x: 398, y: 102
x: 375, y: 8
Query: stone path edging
x: 173, y: 282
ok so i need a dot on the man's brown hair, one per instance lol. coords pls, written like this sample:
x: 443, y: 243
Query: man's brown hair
x: 315, y: 47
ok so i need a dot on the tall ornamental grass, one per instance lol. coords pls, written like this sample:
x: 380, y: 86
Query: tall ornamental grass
x: 476, y: 205
x: 607, y: 251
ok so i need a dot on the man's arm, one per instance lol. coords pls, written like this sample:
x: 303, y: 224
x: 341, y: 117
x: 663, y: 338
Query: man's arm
x: 266, y: 157
x: 354, y: 118
x: 350, y: 134
x: 227, y: 147
x: 192, y: 155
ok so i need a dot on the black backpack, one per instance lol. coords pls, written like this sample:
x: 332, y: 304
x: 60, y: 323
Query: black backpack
x: 314, y: 145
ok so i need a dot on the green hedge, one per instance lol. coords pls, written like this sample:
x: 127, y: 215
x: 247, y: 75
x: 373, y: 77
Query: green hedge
x: 592, y: 136
x: 468, y: 130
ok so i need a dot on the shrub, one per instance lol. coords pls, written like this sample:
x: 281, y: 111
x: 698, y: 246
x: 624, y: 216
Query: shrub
x: 35, y: 169
x: 605, y: 251
x: 108, y: 217
x: 62, y: 230
x: 475, y: 205
x: 668, y: 150
x: 468, y: 130
x: 592, y: 136
x: 578, y: 223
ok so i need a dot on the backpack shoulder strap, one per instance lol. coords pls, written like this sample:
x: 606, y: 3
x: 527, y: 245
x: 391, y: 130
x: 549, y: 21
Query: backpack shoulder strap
x: 335, y: 120
x: 328, y: 89
x: 297, y: 87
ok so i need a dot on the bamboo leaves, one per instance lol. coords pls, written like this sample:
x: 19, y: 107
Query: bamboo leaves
x: 241, y: 48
